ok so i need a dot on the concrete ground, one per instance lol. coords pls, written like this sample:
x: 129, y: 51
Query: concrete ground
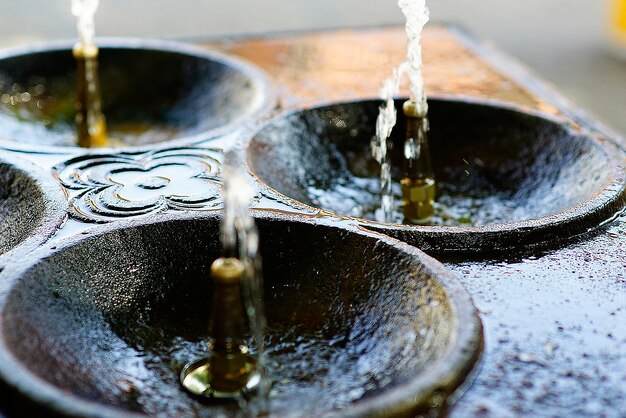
x: 563, y: 41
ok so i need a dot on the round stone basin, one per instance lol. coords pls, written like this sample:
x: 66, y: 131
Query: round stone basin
x: 358, y: 324
x: 31, y: 204
x: 152, y: 91
x: 505, y: 177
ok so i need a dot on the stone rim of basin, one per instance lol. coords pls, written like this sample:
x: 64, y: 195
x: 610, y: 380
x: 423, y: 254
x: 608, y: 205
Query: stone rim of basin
x: 547, y: 230
x: 451, y: 371
x: 48, y: 212
x: 262, y: 103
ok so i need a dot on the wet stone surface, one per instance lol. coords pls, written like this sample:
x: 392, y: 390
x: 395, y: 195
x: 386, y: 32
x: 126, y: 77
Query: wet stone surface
x: 31, y: 207
x: 355, y: 320
x: 554, y: 331
x: 553, y: 321
x: 505, y: 178
x: 107, y: 187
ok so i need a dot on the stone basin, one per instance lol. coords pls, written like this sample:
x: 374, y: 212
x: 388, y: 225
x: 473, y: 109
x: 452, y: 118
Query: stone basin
x: 506, y: 177
x: 32, y: 205
x: 359, y: 324
x: 152, y: 91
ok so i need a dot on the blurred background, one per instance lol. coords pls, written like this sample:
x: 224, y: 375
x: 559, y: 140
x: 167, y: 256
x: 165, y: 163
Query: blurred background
x: 563, y: 41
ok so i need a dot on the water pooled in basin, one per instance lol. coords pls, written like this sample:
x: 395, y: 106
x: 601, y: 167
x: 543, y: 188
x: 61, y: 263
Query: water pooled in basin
x: 492, y: 165
x: 310, y: 369
x: 359, y: 197
x: 42, y: 110
x: 332, y: 338
x: 417, y: 15
x: 53, y: 108
x: 35, y: 101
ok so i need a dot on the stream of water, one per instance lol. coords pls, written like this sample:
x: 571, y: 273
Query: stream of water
x: 240, y: 239
x: 417, y: 15
x: 84, y: 11
x: 90, y: 121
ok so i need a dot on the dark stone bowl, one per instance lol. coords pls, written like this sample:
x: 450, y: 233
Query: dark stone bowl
x: 519, y: 178
x: 359, y: 324
x: 32, y: 205
x: 152, y: 91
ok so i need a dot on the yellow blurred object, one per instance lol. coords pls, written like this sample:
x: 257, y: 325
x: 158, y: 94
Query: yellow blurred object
x: 618, y: 23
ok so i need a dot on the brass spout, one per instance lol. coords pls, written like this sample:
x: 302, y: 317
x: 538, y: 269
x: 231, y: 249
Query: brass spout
x: 229, y: 370
x: 418, y: 185
x: 90, y: 122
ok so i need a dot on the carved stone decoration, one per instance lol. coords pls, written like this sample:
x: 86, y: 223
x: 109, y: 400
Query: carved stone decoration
x: 107, y: 187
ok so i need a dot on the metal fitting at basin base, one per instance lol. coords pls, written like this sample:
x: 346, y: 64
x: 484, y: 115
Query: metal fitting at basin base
x: 229, y: 371
x: 411, y: 109
x: 418, y: 185
x: 199, y: 378
x: 418, y: 199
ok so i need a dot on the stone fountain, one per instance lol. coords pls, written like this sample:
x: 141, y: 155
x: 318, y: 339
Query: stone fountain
x: 105, y: 259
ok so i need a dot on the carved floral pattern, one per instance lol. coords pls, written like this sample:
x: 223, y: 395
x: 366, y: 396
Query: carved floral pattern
x: 107, y: 187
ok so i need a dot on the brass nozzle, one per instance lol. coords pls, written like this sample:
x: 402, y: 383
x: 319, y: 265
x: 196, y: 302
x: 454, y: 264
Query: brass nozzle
x: 227, y: 271
x: 229, y: 370
x: 418, y: 197
x: 412, y: 110
x: 82, y: 51
x: 418, y: 185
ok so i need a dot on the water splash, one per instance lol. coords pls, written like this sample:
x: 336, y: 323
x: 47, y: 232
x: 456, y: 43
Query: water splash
x: 84, y: 11
x: 417, y: 15
x: 240, y: 239
x: 384, y: 124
